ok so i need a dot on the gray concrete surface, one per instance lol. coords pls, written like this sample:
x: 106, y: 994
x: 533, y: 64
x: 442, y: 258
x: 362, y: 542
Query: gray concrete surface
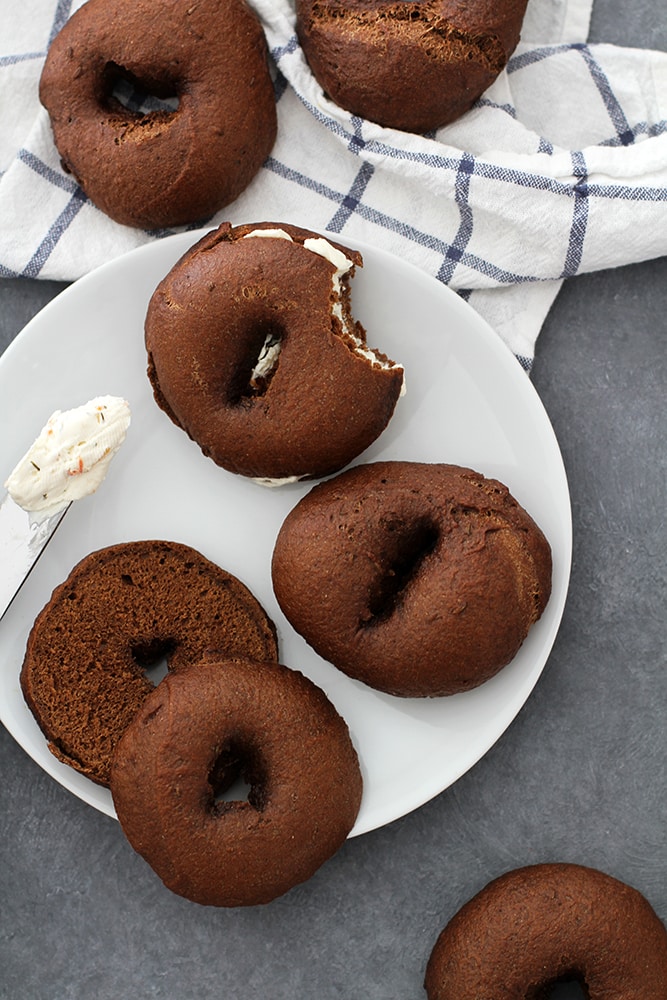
x: 580, y: 775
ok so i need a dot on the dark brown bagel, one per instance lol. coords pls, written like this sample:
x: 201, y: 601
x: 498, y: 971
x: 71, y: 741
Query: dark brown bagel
x: 207, y: 324
x: 417, y: 579
x: 162, y: 168
x: 292, y: 748
x: 120, y: 610
x: 408, y: 64
x: 540, y: 925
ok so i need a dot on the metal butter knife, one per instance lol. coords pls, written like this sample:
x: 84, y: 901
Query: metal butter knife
x: 23, y: 538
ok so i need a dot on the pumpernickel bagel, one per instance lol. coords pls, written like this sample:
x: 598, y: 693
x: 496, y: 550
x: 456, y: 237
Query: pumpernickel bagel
x: 536, y: 926
x: 253, y: 352
x: 121, y: 610
x: 171, y: 166
x: 418, y: 579
x: 408, y: 64
x: 282, y: 734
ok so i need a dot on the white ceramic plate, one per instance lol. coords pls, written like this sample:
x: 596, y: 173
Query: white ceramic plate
x: 468, y: 402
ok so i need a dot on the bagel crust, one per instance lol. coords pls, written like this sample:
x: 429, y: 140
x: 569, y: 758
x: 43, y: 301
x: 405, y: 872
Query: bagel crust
x: 537, y: 926
x: 418, y: 579
x: 121, y: 610
x: 163, y: 168
x: 408, y: 64
x: 282, y: 734
x: 326, y: 398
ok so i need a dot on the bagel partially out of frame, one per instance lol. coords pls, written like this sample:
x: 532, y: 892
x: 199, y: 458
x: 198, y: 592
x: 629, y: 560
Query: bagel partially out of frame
x: 547, y: 923
x: 166, y: 167
x: 408, y: 64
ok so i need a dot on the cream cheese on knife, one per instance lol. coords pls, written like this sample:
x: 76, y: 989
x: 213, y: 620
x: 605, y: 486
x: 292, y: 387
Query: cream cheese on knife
x: 68, y: 461
x: 70, y: 458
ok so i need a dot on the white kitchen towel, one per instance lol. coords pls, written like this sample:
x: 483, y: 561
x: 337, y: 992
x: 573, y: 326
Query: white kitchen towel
x: 560, y: 168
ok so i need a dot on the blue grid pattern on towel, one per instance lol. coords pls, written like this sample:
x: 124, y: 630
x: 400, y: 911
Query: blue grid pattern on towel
x: 457, y: 250
x: 352, y: 200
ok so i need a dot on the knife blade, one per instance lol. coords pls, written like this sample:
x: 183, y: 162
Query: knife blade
x: 67, y: 461
x: 23, y: 538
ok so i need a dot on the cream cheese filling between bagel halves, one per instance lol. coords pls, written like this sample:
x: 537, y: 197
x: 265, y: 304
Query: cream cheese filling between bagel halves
x: 268, y: 356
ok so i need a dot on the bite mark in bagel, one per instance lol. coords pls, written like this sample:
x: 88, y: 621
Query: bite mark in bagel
x: 340, y: 308
x: 254, y: 352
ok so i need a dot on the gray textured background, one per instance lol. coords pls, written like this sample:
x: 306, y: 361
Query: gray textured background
x: 579, y: 776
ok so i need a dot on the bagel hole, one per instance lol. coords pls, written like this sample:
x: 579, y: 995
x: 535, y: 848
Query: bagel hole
x: 253, y: 375
x: 153, y: 657
x: 123, y: 91
x: 238, y: 791
x: 406, y: 544
x: 569, y: 988
x: 234, y: 777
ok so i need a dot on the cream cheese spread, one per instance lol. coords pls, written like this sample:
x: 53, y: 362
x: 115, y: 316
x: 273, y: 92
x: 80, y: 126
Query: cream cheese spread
x: 71, y: 456
x: 285, y: 481
x: 316, y: 245
x: 342, y: 265
x: 273, y: 234
x: 268, y: 358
